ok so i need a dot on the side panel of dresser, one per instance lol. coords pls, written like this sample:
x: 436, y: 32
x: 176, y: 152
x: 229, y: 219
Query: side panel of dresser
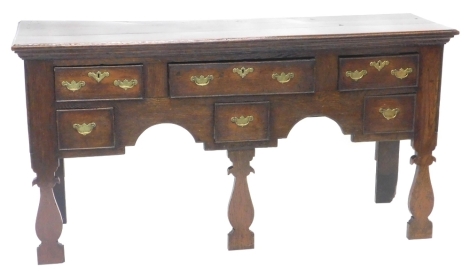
x: 44, y: 160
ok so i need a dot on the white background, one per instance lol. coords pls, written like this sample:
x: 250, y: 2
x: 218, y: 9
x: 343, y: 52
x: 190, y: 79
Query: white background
x: 161, y: 208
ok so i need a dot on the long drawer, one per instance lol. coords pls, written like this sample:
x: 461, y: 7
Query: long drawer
x: 241, y: 78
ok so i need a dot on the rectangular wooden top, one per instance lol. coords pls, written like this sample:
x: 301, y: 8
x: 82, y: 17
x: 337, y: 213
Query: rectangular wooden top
x: 44, y: 35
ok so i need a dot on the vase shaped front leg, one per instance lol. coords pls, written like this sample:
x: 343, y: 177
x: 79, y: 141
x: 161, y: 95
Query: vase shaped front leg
x: 241, y: 211
x: 421, y: 200
x: 48, y: 222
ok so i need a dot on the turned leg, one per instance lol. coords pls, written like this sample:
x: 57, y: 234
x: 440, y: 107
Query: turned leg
x: 421, y: 199
x: 59, y: 191
x: 44, y: 161
x: 240, y: 211
x: 48, y: 221
x: 386, y: 155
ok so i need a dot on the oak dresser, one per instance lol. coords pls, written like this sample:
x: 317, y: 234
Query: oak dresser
x: 93, y: 87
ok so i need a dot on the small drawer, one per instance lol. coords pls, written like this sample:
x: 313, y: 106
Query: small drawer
x: 98, y: 82
x: 389, y: 114
x: 85, y: 129
x: 239, y: 122
x: 377, y: 72
x: 241, y: 78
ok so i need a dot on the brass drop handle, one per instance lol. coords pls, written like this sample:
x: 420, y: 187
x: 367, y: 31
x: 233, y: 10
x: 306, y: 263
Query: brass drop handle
x: 242, y: 121
x: 379, y: 65
x: 98, y: 76
x: 242, y: 71
x: 73, y: 86
x: 201, y: 80
x: 85, y: 128
x: 401, y: 73
x: 283, y: 77
x: 389, y: 113
x: 356, y: 75
x: 125, y: 84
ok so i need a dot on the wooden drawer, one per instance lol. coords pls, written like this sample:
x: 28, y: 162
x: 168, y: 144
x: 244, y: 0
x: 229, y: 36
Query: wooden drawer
x: 389, y: 114
x: 98, y: 82
x: 376, y: 72
x: 239, y: 122
x: 85, y: 129
x: 241, y: 78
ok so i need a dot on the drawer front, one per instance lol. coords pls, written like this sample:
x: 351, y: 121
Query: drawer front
x: 376, y: 72
x: 98, y: 82
x: 241, y: 78
x: 239, y: 122
x: 85, y: 129
x: 389, y: 114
